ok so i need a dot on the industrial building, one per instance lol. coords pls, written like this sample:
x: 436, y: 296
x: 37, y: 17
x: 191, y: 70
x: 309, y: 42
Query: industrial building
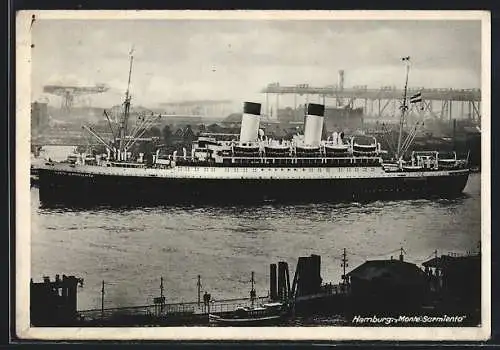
x: 206, y: 108
x: 39, y: 117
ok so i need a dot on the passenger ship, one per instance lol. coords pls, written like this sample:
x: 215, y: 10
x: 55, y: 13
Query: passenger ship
x: 255, y: 168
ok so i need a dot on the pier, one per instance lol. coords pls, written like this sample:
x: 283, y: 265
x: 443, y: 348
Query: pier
x: 382, y: 287
x: 166, y: 313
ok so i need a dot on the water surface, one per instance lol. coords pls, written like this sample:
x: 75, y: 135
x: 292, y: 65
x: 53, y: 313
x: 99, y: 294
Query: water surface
x: 131, y: 248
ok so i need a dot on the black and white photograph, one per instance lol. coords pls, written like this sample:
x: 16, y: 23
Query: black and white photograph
x: 279, y: 175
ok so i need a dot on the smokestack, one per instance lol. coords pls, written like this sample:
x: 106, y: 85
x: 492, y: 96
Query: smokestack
x: 273, y: 283
x: 250, y: 121
x: 313, y: 126
x: 341, y: 80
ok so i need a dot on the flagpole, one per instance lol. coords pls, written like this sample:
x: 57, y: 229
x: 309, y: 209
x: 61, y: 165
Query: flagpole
x: 403, y: 108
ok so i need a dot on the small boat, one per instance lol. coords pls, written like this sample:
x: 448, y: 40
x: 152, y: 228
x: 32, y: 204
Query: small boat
x: 267, y: 314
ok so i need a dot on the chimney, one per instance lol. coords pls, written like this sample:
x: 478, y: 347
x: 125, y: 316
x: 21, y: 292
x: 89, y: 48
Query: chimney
x: 250, y: 121
x: 273, y: 283
x: 340, y: 83
x: 313, y: 125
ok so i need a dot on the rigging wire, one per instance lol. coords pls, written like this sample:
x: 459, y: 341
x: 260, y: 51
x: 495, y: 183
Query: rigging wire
x: 386, y: 137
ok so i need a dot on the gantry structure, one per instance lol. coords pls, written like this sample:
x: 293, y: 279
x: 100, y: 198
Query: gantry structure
x: 439, y: 103
x: 69, y: 93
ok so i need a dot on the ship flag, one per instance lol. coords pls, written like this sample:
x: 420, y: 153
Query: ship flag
x: 416, y: 98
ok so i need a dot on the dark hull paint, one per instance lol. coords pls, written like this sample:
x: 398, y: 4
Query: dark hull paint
x: 59, y: 189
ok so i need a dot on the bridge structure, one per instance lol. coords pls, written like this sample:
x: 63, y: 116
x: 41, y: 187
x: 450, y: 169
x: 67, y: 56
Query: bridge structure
x: 442, y: 104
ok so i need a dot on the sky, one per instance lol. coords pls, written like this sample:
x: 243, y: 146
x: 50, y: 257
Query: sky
x: 235, y: 59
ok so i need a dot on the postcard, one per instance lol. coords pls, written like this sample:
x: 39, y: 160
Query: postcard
x: 253, y: 175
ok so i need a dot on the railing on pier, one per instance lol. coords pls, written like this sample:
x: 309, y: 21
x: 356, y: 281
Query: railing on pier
x: 169, y: 309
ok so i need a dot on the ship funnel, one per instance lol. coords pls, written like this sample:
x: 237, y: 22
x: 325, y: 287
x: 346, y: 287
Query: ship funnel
x: 250, y: 121
x: 313, y: 127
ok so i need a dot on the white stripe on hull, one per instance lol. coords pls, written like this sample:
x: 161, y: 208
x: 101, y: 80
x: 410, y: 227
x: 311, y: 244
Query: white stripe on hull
x: 204, y: 172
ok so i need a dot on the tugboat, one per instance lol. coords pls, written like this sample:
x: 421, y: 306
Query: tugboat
x: 271, y: 313
x: 264, y: 315
x: 254, y: 168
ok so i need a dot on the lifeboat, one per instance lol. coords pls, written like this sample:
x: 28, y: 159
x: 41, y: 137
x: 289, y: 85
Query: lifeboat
x: 276, y: 149
x: 304, y: 151
x: 246, y: 150
x: 364, y: 146
x: 273, y: 151
x: 337, y: 150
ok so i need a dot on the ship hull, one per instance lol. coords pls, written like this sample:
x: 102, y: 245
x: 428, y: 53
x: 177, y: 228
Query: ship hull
x: 68, y: 188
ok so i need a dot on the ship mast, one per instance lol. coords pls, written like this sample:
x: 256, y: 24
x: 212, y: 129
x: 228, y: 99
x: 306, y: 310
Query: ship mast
x: 404, y: 107
x: 126, y: 111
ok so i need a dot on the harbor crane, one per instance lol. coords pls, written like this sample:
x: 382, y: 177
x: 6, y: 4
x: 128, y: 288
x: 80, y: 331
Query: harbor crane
x: 69, y: 93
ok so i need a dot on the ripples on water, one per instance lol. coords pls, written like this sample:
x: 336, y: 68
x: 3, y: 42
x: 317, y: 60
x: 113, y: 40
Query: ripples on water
x: 131, y: 248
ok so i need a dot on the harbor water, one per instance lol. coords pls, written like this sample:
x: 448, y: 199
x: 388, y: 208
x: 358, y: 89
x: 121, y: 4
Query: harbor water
x: 131, y: 248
